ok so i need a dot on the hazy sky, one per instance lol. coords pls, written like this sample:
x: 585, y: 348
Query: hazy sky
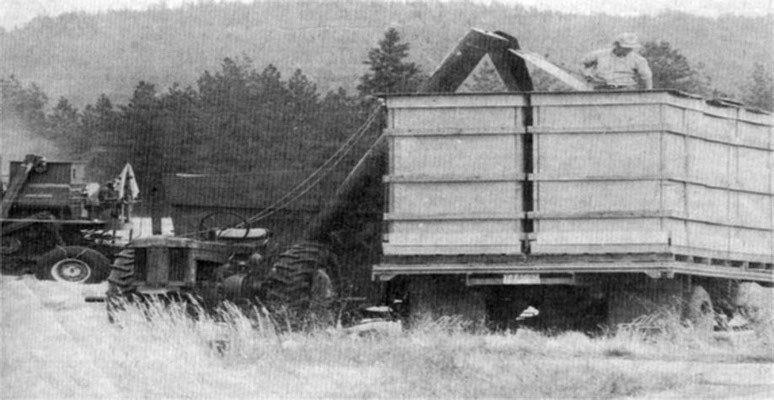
x: 15, y: 13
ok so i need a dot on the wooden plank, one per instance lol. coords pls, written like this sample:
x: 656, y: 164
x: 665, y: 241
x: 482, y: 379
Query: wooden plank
x: 457, y: 197
x: 604, y: 117
x: 483, y: 118
x: 753, y: 210
x: 599, y: 215
x: 755, y: 134
x: 602, y: 238
x: 708, y: 236
x: 572, y: 177
x: 459, y: 216
x: 456, y: 131
x: 681, y: 179
x: 708, y: 204
x: 599, y: 196
x: 756, y: 116
x: 450, y: 178
x: 603, y: 98
x: 599, y: 155
x: 748, y: 241
x: 753, y: 171
x: 456, y: 100
x: 679, y: 124
x: 595, y: 129
x: 393, y: 249
x: 709, y: 162
x: 719, y: 127
x: 454, y: 231
x: 437, y: 155
x: 539, y: 248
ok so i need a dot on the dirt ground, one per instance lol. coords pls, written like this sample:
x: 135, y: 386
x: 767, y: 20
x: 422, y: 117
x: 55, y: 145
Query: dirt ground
x: 55, y: 345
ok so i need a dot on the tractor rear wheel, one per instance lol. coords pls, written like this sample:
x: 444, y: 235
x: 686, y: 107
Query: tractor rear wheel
x: 73, y: 264
x: 298, y: 283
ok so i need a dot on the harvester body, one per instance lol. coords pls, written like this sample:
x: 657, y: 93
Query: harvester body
x: 54, y: 222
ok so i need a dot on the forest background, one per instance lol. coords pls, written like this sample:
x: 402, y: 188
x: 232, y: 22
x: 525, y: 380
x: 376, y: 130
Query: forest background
x: 279, y: 86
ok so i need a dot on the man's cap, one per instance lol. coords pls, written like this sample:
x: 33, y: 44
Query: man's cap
x: 628, y: 40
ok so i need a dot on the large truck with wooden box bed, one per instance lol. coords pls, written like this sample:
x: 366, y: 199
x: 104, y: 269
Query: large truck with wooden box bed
x: 594, y: 207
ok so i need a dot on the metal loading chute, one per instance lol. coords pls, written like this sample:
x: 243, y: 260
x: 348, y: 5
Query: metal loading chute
x: 464, y: 58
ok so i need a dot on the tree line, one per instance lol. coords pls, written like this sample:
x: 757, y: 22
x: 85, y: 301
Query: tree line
x: 235, y: 120
x: 240, y: 119
x: 80, y: 55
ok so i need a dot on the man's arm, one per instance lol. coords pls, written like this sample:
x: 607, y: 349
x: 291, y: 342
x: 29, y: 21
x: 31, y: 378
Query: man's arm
x: 643, y: 70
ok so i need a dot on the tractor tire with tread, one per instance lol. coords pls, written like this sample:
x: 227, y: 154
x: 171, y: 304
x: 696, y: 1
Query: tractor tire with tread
x: 298, y: 282
x: 120, y: 282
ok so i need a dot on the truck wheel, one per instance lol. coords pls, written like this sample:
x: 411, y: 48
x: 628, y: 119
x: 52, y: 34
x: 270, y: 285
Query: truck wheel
x: 74, y: 264
x: 699, y: 310
x: 436, y: 298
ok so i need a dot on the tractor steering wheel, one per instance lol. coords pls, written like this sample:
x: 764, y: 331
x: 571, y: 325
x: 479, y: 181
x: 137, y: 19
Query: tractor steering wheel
x: 208, y: 230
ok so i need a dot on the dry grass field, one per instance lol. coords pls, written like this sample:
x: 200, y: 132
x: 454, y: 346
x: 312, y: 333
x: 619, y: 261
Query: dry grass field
x: 54, y: 345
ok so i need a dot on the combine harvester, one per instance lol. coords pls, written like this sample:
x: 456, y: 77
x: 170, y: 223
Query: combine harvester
x: 54, y: 222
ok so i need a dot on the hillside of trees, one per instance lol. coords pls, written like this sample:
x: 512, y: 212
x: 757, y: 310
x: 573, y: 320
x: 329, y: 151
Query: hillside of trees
x: 239, y: 119
x: 81, y: 56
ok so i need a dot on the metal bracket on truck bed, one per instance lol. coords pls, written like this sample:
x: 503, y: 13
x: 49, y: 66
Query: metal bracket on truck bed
x: 522, y: 279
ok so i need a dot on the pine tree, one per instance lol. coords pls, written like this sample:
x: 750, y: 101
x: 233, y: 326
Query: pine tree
x: 759, y: 91
x: 25, y: 106
x: 65, y: 127
x: 389, y: 70
x: 671, y: 70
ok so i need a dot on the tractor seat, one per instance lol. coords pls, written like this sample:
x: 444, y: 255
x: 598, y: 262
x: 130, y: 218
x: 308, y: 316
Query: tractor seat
x: 239, y: 234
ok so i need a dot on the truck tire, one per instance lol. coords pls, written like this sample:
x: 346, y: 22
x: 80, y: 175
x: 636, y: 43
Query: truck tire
x: 436, y: 298
x: 73, y: 264
x: 298, y: 281
x: 699, y: 310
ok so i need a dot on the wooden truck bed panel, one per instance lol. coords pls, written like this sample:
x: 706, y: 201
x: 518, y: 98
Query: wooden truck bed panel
x: 706, y: 170
x: 456, y: 173
x: 579, y: 173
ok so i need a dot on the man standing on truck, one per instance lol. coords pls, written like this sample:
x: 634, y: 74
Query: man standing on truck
x: 618, y: 68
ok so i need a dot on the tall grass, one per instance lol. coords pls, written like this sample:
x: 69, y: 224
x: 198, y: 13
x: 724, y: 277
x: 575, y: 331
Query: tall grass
x: 228, y: 354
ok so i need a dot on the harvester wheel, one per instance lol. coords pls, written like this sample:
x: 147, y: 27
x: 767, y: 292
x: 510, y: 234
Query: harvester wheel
x: 298, y: 281
x: 699, y: 310
x: 73, y: 264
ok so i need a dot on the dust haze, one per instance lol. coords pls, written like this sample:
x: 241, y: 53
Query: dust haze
x: 16, y: 141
